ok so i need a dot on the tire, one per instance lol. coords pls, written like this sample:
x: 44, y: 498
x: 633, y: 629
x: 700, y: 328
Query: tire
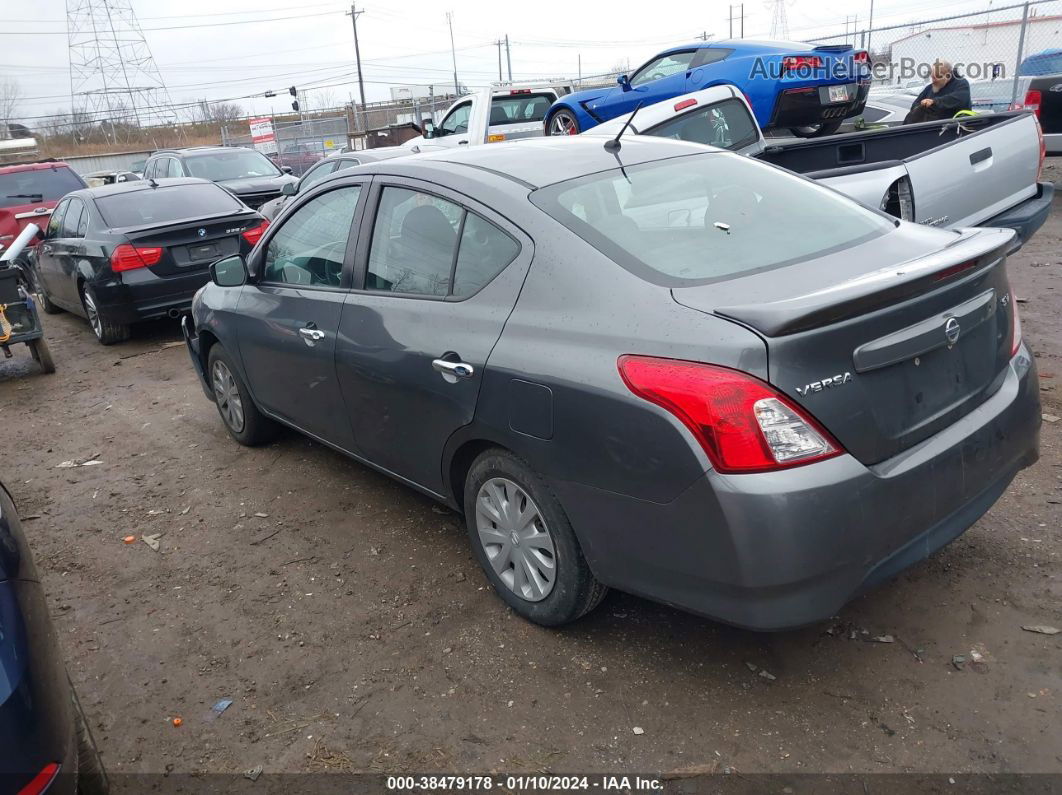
x: 42, y: 355
x: 563, y: 122
x: 241, y: 417
x: 91, y: 776
x: 42, y: 294
x: 497, y: 482
x: 107, y: 331
x: 817, y: 130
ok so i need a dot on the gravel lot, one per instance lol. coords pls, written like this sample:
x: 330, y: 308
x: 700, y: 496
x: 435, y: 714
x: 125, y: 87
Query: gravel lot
x: 347, y: 620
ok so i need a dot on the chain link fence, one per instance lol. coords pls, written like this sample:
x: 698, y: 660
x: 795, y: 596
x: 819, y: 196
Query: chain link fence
x: 986, y: 47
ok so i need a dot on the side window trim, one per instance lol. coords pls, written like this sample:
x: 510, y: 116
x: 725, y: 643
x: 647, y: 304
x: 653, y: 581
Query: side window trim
x: 75, y: 204
x: 60, y: 210
x: 353, y: 239
x: 467, y: 205
x: 658, y: 59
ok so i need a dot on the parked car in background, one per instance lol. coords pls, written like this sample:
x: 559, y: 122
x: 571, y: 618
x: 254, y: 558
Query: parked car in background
x: 46, y: 743
x: 881, y: 110
x: 137, y: 167
x: 935, y: 173
x: 515, y: 110
x: 299, y: 156
x: 98, y: 178
x: 809, y: 90
x: 318, y: 172
x: 246, y: 173
x: 781, y: 399
x: 29, y: 193
x: 1042, y: 94
x: 135, y: 251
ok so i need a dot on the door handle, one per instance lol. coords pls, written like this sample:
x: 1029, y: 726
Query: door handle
x: 462, y: 143
x: 46, y: 249
x: 457, y: 369
x: 311, y: 335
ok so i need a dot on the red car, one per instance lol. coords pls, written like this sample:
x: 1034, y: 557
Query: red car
x: 29, y: 193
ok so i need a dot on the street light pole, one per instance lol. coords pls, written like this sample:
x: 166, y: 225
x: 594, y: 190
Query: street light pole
x: 453, y: 50
x: 357, y: 54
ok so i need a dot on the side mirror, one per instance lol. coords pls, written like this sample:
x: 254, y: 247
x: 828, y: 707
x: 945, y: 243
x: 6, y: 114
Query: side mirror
x: 624, y: 82
x: 429, y: 129
x: 286, y: 169
x: 229, y: 272
x: 289, y: 188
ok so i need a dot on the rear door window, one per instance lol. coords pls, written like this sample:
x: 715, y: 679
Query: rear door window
x: 55, y: 222
x: 72, y: 218
x: 309, y: 249
x: 519, y: 108
x: 426, y: 245
x: 725, y: 124
x: 700, y: 218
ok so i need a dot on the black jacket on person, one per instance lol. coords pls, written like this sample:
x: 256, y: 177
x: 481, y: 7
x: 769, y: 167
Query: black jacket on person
x: 952, y: 97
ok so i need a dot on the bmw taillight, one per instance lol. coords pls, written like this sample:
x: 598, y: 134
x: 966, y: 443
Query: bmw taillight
x: 42, y: 781
x: 742, y: 423
x: 127, y: 257
x: 254, y: 234
x: 792, y: 63
x: 1015, y: 326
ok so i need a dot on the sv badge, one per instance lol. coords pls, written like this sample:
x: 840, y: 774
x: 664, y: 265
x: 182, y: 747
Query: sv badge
x: 825, y: 383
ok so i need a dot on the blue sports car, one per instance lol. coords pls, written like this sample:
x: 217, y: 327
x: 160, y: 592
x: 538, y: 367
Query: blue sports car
x: 810, y: 90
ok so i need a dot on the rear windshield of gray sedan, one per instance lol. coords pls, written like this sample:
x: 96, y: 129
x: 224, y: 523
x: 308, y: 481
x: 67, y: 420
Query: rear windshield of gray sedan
x: 165, y: 204
x: 706, y: 217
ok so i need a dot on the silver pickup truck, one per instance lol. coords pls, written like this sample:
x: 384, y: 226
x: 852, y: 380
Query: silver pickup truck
x: 980, y: 170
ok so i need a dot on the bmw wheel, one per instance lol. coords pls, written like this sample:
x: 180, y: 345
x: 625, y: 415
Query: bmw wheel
x: 106, y: 331
x: 525, y: 543
x: 244, y: 422
x: 563, y: 122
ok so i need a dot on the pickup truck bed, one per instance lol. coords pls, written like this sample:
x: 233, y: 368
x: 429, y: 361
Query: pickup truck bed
x: 975, y: 171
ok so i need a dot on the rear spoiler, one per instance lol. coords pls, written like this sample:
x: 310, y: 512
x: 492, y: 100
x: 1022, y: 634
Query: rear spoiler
x: 982, y: 247
x: 834, y: 48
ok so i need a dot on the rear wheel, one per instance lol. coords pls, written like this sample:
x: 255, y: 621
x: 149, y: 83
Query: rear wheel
x: 563, y: 122
x: 816, y: 130
x: 107, y: 331
x: 91, y: 776
x: 244, y: 422
x: 42, y: 355
x: 525, y: 543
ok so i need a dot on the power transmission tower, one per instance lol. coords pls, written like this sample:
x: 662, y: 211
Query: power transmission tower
x: 779, y: 19
x: 113, y: 77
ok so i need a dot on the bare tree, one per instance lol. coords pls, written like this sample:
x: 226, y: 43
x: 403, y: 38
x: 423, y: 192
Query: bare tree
x: 225, y: 111
x: 322, y: 98
x: 10, y: 95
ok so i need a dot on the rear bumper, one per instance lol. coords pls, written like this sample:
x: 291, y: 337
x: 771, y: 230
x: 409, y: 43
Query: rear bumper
x: 802, y: 107
x: 141, y: 295
x: 1027, y: 217
x: 783, y: 549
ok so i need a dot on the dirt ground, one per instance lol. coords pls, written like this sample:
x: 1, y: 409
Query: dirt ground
x: 347, y: 620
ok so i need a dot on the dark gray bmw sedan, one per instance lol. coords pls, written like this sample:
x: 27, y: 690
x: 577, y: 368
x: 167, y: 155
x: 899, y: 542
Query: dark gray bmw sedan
x: 661, y: 368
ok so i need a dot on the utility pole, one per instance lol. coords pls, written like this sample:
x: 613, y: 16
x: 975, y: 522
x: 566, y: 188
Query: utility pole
x: 453, y: 50
x: 870, y: 24
x: 580, y: 69
x: 357, y: 54
x: 731, y: 23
x: 509, y: 57
x: 742, y: 20
x: 499, y: 43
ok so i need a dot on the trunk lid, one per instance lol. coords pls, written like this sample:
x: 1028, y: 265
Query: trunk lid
x: 883, y: 357
x: 190, y: 246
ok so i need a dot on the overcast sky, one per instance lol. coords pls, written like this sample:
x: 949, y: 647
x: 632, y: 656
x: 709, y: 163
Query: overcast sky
x: 404, y: 41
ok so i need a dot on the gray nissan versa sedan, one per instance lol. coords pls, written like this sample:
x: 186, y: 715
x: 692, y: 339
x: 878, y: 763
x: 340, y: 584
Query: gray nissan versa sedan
x: 656, y: 367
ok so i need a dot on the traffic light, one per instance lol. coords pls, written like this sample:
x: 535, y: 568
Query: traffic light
x: 293, y: 91
x: 295, y: 105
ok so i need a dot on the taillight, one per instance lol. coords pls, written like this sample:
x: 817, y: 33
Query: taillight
x: 743, y: 424
x: 254, y: 234
x: 1033, y: 97
x: 1043, y: 148
x: 861, y: 56
x: 791, y: 63
x: 686, y: 103
x: 126, y: 257
x: 40, y: 782
x: 1015, y: 326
